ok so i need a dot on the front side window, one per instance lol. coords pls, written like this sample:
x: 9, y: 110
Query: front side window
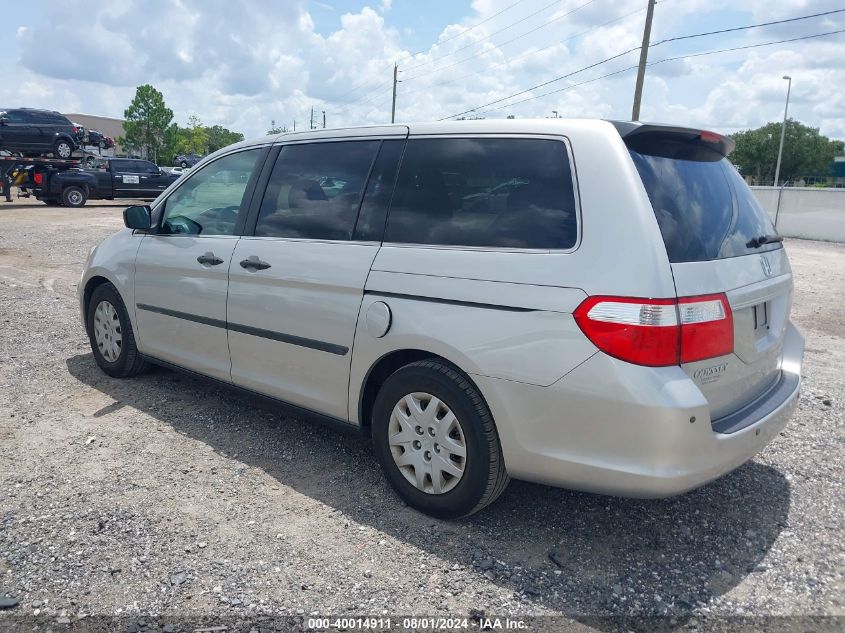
x: 209, y: 202
x: 484, y: 192
x: 315, y: 190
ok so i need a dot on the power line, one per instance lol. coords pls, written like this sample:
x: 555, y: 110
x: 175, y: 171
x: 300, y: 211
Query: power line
x: 556, y: 79
x: 530, y: 52
x: 499, y: 46
x: 468, y: 29
x: 545, y: 83
x: 383, y: 84
x: 654, y: 63
x: 750, y: 26
x: 484, y: 39
x: 449, y: 39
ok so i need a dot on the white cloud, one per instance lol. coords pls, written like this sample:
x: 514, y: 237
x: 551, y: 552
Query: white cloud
x: 266, y: 62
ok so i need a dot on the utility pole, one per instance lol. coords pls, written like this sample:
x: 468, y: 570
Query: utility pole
x: 324, y: 119
x: 638, y: 91
x: 393, y: 107
x: 783, y: 128
x: 312, y: 118
x: 294, y: 125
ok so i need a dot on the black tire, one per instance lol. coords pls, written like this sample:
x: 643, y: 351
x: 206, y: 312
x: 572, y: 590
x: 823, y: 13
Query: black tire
x: 129, y: 362
x: 62, y: 148
x: 74, y: 197
x: 484, y: 477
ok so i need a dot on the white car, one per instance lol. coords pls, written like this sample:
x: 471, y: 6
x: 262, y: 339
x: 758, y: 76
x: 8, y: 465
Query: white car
x: 615, y: 319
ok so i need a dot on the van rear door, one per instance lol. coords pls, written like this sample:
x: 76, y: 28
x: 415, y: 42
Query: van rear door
x: 719, y: 240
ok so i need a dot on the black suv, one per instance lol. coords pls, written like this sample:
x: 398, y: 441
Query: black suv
x: 33, y: 132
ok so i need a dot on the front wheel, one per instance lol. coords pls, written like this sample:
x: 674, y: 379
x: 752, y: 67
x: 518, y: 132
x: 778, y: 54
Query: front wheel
x: 436, y: 441
x: 110, y: 333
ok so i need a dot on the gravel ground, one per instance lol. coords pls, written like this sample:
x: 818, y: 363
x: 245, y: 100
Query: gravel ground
x: 164, y: 495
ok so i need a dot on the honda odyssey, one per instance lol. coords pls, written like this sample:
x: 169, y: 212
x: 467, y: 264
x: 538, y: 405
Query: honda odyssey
x: 597, y: 305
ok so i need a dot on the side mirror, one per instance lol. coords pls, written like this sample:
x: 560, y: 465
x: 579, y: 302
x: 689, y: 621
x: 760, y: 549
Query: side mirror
x: 138, y: 217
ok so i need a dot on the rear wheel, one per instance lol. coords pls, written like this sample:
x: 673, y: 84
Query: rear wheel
x: 62, y: 148
x: 110, y: 333
x: 183, y: 164
x: 74, y: 197
x: 436, y: 440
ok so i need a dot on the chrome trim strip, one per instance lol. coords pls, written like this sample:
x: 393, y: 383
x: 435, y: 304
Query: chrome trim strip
x: 331, y: 348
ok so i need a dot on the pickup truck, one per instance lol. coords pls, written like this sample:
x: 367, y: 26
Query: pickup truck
x: 118, y: 178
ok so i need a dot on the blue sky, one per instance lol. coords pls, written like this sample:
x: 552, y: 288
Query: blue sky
x: 276, y: 60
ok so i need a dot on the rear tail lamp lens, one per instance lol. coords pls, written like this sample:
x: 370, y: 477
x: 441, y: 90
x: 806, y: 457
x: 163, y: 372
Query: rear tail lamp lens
x: 38, y: 178
x: 658, y: 332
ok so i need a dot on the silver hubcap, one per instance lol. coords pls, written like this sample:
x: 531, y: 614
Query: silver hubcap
x: 75, y: 197
x: 107, y: 333
x: 64, y: 150
x: 427, y: 443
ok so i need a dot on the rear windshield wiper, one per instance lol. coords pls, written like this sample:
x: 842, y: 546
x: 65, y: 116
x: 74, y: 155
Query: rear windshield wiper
x: 757, y: 242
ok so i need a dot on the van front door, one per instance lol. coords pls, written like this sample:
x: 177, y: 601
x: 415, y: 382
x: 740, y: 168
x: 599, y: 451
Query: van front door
x: 182, y: 271
x: 296, y: 284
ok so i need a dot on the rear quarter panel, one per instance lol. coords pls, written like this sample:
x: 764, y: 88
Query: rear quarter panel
x: 620, y: 251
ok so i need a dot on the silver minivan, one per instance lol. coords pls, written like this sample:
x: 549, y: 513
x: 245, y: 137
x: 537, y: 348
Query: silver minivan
x: 597, y: 305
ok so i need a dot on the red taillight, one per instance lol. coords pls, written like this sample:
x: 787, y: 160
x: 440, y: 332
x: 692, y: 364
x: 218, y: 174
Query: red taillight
x: 658, y: 332
x: 38, y: 178
x: 710, y: 137
x: 707, y: 327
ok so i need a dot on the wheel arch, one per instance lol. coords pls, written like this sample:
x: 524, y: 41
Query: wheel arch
x: 386, y: 365
x: 91, y: 285
x: 95, y: 278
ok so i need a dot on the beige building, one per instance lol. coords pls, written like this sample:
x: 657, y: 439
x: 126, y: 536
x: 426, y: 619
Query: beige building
x: 107, y: 125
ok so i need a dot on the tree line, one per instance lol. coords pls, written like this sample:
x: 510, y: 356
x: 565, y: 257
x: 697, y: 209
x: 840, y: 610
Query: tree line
x: 151, y: 132
x: 806, y: 152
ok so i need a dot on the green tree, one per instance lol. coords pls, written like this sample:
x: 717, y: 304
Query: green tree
x: 805, y: 152
x: 219, y: 137
x: 147, y: 123
x: 197, y: 136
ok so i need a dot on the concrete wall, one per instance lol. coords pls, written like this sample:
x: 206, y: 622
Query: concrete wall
x: 811, y: 213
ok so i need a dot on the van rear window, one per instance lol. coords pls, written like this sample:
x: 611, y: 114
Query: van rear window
x: 704, y: 208
x: 484, y: 192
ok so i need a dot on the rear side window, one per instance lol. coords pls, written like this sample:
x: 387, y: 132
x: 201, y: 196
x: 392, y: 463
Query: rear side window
x: 703, y: 207
x: 315, y: 190
x: 484, y: 192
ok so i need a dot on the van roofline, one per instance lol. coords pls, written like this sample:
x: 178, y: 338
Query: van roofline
x: 491, y: 126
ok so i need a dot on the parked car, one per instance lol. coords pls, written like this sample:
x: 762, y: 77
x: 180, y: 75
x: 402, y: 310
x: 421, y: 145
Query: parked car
x: 32, y: 132
x: 95, y: 138
x: 107, y: 178
x: 631, y: 339
x: 187, y: 160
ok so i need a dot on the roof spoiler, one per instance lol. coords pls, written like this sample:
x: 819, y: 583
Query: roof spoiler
x: 670, y: 141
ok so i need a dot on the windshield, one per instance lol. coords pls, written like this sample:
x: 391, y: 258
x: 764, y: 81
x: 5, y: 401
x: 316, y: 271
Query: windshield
x: 704, y: 208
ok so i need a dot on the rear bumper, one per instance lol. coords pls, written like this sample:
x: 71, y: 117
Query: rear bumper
x: 615, y: 428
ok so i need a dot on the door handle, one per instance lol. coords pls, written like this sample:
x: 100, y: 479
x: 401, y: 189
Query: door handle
x: 253, y: 262
x: 209, y: 258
